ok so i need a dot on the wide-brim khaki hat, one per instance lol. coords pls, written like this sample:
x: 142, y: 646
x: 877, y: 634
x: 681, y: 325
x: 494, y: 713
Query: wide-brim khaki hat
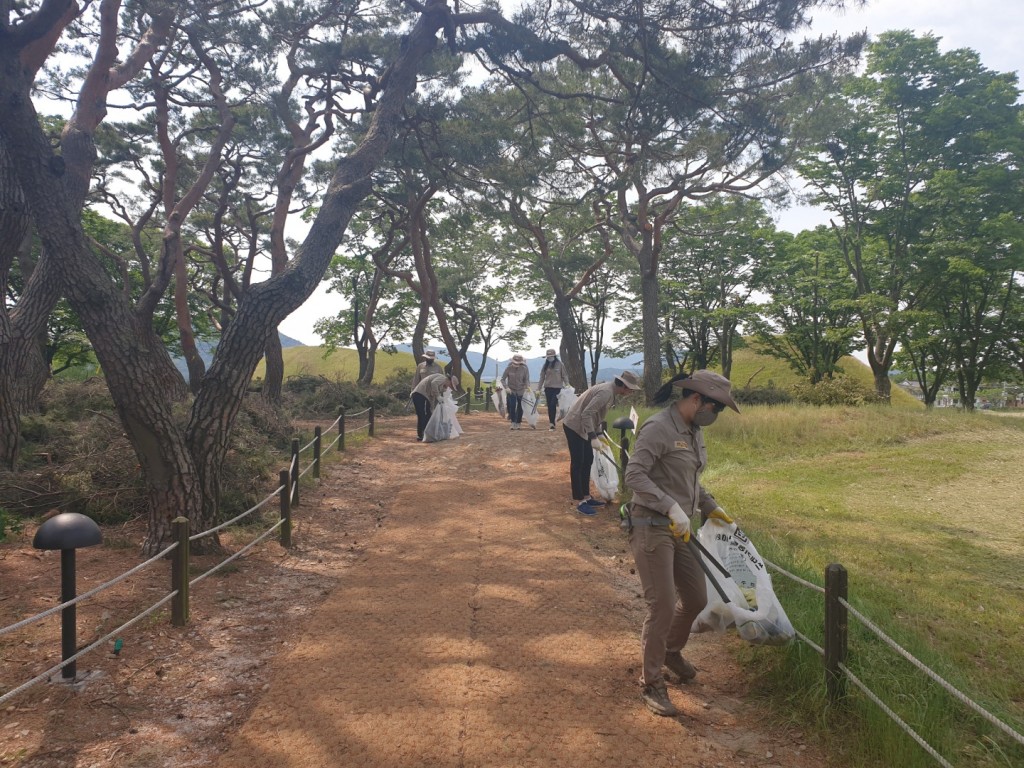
x: 710, y: 384
x: 630, y: 380
x: 518, y: 360
x: 550, y: 353
x: 430, y: 355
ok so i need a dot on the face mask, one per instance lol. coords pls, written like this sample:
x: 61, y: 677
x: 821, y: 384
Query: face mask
x: 704, y: 418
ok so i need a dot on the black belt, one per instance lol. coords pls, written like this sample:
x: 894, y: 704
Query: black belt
x: 629, y: 522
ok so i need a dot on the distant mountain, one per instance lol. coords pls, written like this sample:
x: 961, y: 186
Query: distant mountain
x: 207, y: 348
x: 610, y: 366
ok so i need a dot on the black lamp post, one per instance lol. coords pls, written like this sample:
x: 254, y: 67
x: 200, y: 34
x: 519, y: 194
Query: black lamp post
x: 622, y: 424
x: 67, y: 532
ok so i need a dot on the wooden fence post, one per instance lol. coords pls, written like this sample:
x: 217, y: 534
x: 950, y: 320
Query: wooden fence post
x: 371, y: 421
x: 341, y: 429
x: 487, y: 400
x: 179, y: 572
x: 286, y: 509
x: 469, y: 401
x: 317, y: 436
x: 836, y: 627
x: 295, y: 472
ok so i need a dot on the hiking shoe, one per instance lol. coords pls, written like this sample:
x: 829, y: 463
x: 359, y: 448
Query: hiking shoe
x: 655, y: 696
x: 551, y: 427
x: 585, y: 509
x: 680, y: 667
x: 594, y: 502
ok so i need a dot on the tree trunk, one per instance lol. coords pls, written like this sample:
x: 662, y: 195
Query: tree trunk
x: 23, y: 367
x: 273, y: 357
x: 649, y: 297
x: 569, y: 347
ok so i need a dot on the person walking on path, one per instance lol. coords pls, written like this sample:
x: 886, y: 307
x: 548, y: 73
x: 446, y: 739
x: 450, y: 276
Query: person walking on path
x: 552, y: 378
x: 516, y: 380
x: 582, y: 425
x: 664, y: 475
x: 428, y: 367
x: 426, y: 396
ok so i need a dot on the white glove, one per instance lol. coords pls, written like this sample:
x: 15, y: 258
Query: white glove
x: 597, y: 444
x: 680, y: 526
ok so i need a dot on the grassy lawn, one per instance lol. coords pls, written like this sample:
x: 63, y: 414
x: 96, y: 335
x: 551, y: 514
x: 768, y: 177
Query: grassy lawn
x: 926, y: 512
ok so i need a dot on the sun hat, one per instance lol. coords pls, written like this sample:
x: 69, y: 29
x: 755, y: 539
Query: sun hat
x: 518, y: 360
x: 630, y: 380
x: 710, y: 384
x: 549, y: 354
x: 430, y: 355
x: 454, y: 380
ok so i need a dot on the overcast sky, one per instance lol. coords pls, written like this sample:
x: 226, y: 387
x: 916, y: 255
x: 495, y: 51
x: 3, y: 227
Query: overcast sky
x: 993, y: 28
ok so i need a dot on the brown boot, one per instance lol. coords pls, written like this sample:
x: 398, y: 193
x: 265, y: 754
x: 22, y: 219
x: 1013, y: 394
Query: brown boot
x: 680, y: 667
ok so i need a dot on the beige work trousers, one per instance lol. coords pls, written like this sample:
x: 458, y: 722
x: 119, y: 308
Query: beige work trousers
x: 674, y: 590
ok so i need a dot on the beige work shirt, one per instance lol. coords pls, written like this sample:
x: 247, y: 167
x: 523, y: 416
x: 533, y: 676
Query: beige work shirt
x: 554, y: 376
x: 424, y: 369
x: 586, y: 414
x: 432, y: 387
x: 516, y: 379
x: 666, y: 464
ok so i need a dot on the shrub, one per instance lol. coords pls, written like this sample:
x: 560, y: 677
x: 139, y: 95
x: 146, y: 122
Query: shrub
x: 840, y: 390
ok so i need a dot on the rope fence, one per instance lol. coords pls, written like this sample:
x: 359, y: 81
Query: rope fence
x: 835, y: 650
x: 287, y: 494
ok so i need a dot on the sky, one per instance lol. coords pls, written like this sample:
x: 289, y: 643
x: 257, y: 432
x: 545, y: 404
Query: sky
x: 993, y: 28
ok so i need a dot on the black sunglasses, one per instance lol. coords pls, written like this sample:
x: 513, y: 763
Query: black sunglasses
x: 716, y: 406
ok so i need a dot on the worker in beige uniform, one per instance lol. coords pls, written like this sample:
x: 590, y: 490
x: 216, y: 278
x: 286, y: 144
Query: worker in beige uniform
x: 516, y: 381
x: 552, y: 378
x: 664, y: 475
x: 428, y: 367
x: 582, y: 425
x: 427, y: 395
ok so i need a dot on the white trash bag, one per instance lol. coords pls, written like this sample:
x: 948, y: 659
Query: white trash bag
x: 442, y: 424
x: 753, y: 609
x: 605, y: 476
x: 530, y: 408
x: 566, y: 397
x: 498, y: 398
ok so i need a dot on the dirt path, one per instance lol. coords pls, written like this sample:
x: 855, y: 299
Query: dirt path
x: 443, y: 605
x: 488, y: 624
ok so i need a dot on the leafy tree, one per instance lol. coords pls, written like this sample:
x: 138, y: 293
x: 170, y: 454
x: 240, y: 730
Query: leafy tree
x: 713, y: 252
x: 810, y: 319
x: 913, y: 114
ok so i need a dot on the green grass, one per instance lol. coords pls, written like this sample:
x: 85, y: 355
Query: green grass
x: 924, y: 511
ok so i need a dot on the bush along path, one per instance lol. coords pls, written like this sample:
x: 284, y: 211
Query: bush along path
x: 483, y: 622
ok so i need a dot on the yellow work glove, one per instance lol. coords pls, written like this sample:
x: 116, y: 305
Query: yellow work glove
x: 719, y: 514
x: 680, y: 525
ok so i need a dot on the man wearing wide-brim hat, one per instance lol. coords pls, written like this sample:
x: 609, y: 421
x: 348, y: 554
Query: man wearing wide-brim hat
x: 582, y: 425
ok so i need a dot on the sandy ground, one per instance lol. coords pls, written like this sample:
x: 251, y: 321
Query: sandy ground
x: 443, y: 605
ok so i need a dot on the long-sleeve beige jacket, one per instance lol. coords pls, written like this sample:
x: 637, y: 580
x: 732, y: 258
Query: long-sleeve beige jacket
x: 586, y: 414
x: 665, y: 466
x: 516, y: 379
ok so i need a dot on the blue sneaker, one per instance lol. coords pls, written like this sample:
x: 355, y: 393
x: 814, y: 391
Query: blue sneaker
x: 585, y: 509
x: 594, y: 502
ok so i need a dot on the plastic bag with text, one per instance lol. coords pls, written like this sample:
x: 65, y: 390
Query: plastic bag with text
x: 753, y: 609
x: 442, y: 424
x: 605, y: 476
x: 566, y: 397
x: 530, y: 408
